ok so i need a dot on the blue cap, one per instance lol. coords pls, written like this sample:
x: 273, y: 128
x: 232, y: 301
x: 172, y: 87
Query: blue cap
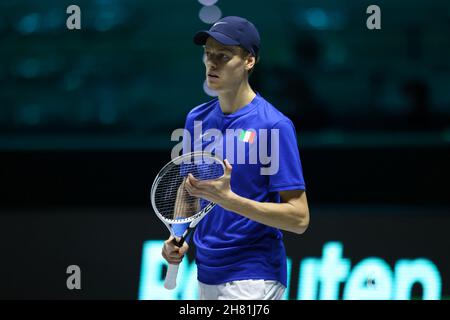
x: 232, y: 31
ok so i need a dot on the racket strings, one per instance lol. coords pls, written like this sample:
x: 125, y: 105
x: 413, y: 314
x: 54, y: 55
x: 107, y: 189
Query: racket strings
x: 172, y: 199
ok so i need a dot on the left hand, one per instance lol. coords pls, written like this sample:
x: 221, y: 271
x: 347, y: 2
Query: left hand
x: 217, y: 190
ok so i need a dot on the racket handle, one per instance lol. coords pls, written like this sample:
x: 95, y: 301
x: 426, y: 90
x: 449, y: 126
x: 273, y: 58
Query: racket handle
x: 178, y: 243
x: 171, y: 276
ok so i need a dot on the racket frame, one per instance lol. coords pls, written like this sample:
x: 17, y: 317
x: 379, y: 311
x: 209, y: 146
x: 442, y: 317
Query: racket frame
x: 172, y: 271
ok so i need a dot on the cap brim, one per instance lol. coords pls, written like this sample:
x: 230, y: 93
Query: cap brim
x: 201, y: 37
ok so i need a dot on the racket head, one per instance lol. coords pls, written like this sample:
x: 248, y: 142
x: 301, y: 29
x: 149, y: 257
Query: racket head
x: 168, y: 187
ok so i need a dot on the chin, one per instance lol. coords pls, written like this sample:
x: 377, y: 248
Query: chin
x: 213, y: 86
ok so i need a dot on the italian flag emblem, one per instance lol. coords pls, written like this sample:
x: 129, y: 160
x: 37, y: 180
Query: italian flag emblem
x: 247, y: 136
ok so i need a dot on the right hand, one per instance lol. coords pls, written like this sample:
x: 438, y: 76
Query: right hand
x: 172, y: 253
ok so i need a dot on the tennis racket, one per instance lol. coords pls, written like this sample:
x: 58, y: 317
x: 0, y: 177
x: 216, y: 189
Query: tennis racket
x: 174, y: 205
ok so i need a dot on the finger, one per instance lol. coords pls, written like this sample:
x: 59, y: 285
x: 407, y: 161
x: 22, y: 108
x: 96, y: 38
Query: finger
x: 174, y: 260
x: 188, y: 186
x: 171, y: 259
x: 203, y: 184
x: 184, y: 248
x: 228, y: 166
x: 175, y: 256
x: 199, y: 184
x: 187, y: 183
x: 172, y: 240
x: 170, y: 243
x: 190, y: 189
x: 192, y: 179
x: 171, y: 252
x: 195, y: 191
x: 192, y: 186
x: 200, y: 193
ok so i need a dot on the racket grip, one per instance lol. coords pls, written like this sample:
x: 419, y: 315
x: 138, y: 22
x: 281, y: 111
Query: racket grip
x: 178, y: 243
x: 171, y: 276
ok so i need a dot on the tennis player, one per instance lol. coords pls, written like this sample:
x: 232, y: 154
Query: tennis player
x: 239, y: 247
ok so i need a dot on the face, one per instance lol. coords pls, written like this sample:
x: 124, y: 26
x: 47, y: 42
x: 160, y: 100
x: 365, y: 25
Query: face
x: 226, y: 66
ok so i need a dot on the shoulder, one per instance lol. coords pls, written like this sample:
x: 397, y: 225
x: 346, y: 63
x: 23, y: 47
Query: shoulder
x: 201, y: 111
x: 272, y: 117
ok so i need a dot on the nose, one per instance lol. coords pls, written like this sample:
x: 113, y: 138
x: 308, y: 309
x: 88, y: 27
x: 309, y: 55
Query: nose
x: 210, y: 62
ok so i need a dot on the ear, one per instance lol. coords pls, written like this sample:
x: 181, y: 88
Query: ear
x: 250, y: 62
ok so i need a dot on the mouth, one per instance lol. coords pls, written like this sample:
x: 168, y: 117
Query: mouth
x: 212, y: 75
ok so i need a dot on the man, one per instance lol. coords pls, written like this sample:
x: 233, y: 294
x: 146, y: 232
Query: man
x: 240, y: 252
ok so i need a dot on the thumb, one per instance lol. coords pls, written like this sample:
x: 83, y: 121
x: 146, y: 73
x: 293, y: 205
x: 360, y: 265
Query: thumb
x: 228, y: 166
x: 183, y: 248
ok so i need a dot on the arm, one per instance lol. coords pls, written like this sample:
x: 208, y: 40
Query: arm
x: 290, y: 215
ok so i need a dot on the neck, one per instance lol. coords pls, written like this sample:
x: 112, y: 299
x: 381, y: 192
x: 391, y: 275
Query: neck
x: 235, y: 99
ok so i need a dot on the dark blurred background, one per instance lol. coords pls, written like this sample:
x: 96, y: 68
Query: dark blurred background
x: 86, y: 118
